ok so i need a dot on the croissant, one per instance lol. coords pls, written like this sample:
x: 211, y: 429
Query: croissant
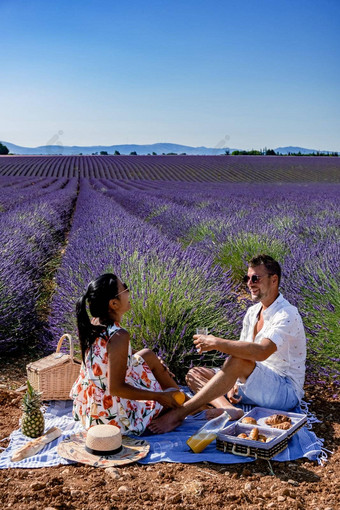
x: 275, y: 419
x: 283, y: 426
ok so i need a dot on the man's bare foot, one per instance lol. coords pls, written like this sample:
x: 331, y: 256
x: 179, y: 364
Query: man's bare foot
x: 166, y: 423
x: 234, y: 413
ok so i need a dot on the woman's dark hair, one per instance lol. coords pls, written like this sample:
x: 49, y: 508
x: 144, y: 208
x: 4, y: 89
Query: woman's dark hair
x: 269, y: 263
x: 99, y: 293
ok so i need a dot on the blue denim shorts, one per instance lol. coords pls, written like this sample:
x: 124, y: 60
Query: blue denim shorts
x: 266, y: 388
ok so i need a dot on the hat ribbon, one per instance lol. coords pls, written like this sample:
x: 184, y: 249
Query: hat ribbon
x: 103, y: 453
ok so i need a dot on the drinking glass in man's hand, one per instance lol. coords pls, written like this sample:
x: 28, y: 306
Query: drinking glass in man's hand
x: 201, y: 331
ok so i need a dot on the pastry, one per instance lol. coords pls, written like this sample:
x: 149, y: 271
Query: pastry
x: 33, y: 447
x: 283, y: 426
x: 254, y: 434
x: 249, y: 419
x: 275, y: 419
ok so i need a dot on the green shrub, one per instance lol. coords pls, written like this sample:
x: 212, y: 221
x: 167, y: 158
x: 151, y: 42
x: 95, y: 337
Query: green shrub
x: 235, y: 253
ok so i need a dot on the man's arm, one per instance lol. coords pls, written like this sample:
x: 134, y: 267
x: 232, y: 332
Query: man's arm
x: 239, y: 349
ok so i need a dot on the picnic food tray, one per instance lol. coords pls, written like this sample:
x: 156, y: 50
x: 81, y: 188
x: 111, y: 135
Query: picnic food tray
x: 228, y: 442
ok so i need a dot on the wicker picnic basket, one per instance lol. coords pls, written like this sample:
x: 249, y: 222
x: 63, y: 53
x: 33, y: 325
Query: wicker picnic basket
x: 54, y: 375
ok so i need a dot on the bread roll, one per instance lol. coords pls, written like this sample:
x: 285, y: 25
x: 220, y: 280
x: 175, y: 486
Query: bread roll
x: 243, y: 435
x: 254, y: 434
x: 249, y: 419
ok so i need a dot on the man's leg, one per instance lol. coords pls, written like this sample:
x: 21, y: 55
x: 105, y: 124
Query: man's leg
x: 218, y: 385
x: 196, y: 379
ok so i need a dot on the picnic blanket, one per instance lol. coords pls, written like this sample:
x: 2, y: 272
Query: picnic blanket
x: 169, y: 447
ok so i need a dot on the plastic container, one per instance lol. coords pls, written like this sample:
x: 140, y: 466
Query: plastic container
x: 206, y: 434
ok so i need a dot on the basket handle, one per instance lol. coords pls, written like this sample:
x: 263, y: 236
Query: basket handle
x: 247, y: 454
x: 70, y: 342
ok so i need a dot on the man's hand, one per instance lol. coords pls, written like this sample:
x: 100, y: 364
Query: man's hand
x: 232, y: 395
x: 205, y: 342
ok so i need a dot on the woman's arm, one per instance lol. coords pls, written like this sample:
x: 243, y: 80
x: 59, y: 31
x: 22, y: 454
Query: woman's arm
x: 117, y: 349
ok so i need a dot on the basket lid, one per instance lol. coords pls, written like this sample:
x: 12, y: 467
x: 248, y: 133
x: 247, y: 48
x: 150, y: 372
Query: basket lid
x: 55, y: 360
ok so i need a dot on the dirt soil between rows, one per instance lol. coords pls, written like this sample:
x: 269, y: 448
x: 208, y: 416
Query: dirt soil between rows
x: 301, y: 484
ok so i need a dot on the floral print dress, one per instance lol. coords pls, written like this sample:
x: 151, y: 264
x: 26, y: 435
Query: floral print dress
x: 92, y: 402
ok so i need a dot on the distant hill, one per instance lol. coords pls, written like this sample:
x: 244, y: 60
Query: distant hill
x: 296, y: 150
x: 159, y: 148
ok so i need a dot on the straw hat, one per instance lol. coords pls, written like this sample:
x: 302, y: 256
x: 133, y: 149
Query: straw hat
x: 103, y: 446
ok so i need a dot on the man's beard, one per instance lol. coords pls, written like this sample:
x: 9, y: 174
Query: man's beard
x: 256, y: 298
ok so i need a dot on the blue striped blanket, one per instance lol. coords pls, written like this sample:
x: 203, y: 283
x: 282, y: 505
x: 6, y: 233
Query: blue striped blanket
x: 169, y: 447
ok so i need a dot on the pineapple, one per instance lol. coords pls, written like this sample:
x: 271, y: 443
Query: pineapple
x: 32, y: 420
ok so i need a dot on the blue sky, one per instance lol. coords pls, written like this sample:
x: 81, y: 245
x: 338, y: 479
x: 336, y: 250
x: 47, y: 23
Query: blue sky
x: 238, y: 73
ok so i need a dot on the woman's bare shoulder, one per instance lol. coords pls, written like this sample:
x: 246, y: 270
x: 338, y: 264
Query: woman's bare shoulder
x: 118, y: 337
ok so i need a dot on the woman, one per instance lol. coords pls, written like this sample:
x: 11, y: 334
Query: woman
x: 116, y: 385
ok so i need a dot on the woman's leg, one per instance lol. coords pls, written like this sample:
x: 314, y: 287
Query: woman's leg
x: 160, y: 371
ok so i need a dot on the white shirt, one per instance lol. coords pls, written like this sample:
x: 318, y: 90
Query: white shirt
x: 282, y: 324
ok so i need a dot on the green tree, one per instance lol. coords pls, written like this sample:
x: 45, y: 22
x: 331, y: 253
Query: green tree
x: 133, y: 153
x: 104, y: 153
x: 116, y: 153
x: 3, y: 149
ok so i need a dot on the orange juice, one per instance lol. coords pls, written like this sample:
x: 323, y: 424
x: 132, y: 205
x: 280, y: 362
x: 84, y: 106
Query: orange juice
x: 199, y: 441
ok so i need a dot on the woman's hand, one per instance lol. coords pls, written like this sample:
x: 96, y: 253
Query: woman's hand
x: 204, y: 342
x: 166, y: 399
x: 232, y: 395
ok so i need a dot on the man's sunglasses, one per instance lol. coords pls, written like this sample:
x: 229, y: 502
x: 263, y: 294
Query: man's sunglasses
x: 254, y: 278
x: 126, y: 289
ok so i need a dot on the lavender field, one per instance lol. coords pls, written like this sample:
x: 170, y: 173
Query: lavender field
x: 182, y: 248
x: 177, y: 168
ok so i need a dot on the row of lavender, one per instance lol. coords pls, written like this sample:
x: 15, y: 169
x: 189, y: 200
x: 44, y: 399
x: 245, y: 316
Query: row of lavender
x: 297, y: 225
x: 172, y: 290
x: 33, y: 228
x: 177, y: 168
x: 15, y: 190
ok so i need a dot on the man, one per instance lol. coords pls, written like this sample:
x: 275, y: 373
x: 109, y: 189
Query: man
x: 266, y: 367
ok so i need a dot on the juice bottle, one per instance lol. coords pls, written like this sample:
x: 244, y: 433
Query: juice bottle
x: 199, y: 441
x: 206, y: 434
